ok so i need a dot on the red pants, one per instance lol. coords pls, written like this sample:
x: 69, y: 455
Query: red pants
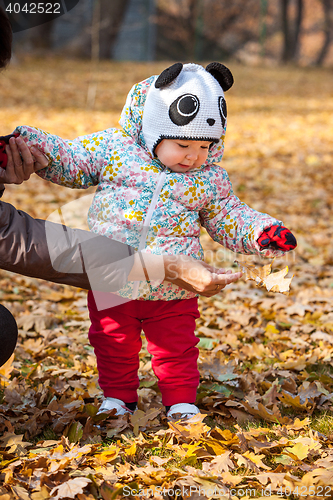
x: 169, y: 326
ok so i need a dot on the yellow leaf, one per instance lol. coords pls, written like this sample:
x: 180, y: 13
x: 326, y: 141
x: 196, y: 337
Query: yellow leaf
x: 193, y: 428
x: 299, y: 424
x: 294, y: 401
x: 214, y: 446
x: 256, y: 459
x: 107, y: 455
x: 131, y: 451
x: 190, y: 449
x: 273, y: 282
x: 304, y: 445
x: 299, y: 450
x: 7, y: 368
x: 270, y: 328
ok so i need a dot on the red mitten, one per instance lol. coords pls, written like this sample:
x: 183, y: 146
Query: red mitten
x: 4, y: 139
x: 278, y: 238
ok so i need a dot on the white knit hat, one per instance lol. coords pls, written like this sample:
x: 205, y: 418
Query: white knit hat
x: 187, y: 102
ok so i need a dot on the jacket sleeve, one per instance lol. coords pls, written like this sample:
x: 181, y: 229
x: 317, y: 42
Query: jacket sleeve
x: 50, y: 251
x: 234, y: 224
x: 75, y: 164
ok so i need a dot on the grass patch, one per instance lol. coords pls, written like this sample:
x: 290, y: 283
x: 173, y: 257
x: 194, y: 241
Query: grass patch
x: 323, y: 423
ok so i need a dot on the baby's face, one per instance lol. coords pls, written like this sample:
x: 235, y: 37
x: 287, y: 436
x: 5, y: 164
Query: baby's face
x: 182, y: 155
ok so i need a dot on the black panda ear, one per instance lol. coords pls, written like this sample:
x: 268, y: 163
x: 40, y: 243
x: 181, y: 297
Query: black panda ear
x: 222, y: 74
x: 168, y: 75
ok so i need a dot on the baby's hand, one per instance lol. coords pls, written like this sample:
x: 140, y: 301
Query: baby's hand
x: 4, y: 139
x: 278, y: 238
x: 21, y: 161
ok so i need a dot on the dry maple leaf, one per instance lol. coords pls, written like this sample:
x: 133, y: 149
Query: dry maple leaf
x: 14, y: 442
x: 70, y: 488
x: 221, y: 463
x: 263, y: 276
x: 140, y: 419
x: 193, y: 428
x: 295, y: 401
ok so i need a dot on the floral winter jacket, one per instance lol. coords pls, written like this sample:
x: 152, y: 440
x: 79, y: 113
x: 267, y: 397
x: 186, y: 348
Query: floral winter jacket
x: 133, y: 187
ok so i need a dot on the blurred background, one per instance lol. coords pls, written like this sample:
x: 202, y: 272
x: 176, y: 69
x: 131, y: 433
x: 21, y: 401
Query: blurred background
x: 249, y: 31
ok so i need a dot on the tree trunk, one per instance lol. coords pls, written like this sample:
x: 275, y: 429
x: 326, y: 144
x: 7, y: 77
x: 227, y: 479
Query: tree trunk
x: 327, y: 33
x: 112, y: 13
x: 298, y: 24
x: 41, y: 36
x: 285, y: 30
x: 291, y: 30
x: 41, y: 33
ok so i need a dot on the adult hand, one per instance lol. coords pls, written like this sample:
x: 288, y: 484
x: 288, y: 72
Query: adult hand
x: 197, y: 276
x: 22, y: 162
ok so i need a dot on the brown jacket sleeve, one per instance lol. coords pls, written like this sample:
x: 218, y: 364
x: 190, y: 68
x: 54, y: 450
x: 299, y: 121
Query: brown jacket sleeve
x: 50, y: 251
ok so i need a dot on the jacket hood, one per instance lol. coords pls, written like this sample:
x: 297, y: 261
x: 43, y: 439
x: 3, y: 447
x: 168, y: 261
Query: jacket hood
x: 131, y: 120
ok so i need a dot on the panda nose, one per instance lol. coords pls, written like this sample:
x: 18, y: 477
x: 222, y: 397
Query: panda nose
x: 210, y: 121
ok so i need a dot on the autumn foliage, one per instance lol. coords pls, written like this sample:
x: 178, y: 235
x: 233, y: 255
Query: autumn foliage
x: 266, y: 387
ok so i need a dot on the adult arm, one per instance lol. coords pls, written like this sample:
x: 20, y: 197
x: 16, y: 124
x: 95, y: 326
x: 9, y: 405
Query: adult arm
x: 50, y: 251
x: 56, y: 253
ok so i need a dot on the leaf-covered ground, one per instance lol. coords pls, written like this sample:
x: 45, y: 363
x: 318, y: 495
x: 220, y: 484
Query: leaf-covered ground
x: 266, y: 389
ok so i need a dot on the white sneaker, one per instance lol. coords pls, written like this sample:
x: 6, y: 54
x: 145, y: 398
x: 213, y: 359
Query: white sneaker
x: 113, y: 404
x: 182, y: 410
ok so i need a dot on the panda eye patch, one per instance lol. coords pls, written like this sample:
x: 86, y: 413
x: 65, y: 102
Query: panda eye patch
x: 223, y: 110
x: 184, y: 109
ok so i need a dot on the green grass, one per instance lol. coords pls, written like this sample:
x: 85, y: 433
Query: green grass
x: 323, y: 423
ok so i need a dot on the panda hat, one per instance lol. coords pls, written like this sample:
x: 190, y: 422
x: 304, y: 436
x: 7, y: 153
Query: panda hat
x: 187, y: 102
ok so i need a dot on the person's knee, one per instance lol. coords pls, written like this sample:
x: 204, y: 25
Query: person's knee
x: 8, y: 334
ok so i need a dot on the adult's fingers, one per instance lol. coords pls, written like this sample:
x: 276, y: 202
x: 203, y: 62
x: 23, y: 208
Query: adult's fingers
x: 219, y: 282
x: 21, y: 163
x: 216, y: 270
x: 20, y: 148
x: 225, y: 279
x: 8, y: 175
x: 17, y: 160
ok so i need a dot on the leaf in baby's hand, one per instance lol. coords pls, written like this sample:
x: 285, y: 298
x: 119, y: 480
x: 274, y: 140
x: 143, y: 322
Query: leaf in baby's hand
x: 263, y: 276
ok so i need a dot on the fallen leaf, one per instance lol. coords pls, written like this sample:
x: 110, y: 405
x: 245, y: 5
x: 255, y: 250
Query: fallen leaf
x: 221, y: 463
x: 140, y: 419
x: 273, y: 282
x: 7, y: 368
x: 70, y: 488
